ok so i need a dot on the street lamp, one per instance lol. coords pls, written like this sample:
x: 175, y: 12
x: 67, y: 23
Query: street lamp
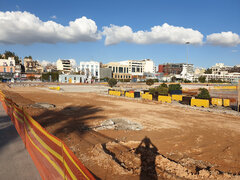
x: 187, y: 53
x: 187, y: 50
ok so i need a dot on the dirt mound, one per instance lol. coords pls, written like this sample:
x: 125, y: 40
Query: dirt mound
x: 124, y: 158
x: 119, y: 124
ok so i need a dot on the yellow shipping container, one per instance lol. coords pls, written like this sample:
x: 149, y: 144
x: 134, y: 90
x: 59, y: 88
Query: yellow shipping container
x: 200, y: 102
x: 130, y: 95
x: 226, y: 102
x: 166, y: 99
x: 176, y: 97
x: 217, y: 101
x: 147, y: 96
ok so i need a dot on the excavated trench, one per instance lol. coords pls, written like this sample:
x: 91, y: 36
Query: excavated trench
x: 128, y: 160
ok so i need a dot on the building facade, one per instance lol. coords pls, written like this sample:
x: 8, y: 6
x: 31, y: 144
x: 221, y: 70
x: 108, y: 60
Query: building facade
x: 90, y: 69
x: 7, y: 68
x: 64, y: 66
x: 119, y: 70
x: 173, y: 68
x: 68, y: 78
x: 32, y: 66
x: 106, y: 73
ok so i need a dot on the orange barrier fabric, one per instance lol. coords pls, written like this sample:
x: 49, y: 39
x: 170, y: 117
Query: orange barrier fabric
x: 53, y: 159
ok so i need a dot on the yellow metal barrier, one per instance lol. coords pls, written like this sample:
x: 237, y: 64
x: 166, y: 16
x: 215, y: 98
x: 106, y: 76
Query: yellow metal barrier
x: 226, y: 102
x: 224, y: 87
x: 114, y: 93
x: 200, y: 102
x: 176, y: 97
x: 217, y: 101
x: 130, y: 95
x: 55, y: 88
x: 147, y: 96
x: 166, y: 99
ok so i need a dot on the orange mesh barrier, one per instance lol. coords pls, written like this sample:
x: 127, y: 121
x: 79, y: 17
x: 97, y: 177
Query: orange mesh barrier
x: 53, y: 159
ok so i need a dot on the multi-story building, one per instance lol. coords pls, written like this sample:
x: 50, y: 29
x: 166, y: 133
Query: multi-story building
x: 173, y: 68
x: 7, y: 65
x: 132, y: 69
x: 120, y: 70
x: 32, y: 66
x: 64, y: 66
x: 7, y: 68
x: 90, y: 69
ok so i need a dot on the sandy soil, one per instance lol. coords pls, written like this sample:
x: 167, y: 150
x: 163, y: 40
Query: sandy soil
x: 182, y: 143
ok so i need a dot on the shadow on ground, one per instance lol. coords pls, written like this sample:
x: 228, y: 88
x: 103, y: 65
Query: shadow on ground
x: 8, y: 132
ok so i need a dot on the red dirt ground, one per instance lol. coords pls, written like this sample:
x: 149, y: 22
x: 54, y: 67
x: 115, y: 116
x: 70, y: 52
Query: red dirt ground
x: 187, y: 140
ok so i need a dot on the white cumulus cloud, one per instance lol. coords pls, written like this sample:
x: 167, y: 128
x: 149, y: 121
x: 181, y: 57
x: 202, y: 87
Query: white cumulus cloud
x: 44, y: 63
x: 18, y: 27
x: 54, y: 17
x: 223, y: 39
x: 158, y: 34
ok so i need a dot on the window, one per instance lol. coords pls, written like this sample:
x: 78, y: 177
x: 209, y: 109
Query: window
x: 96, y: 73
x: 121, y: 76
x: 4, y: 70
x: 65, y: 78
x: 113, y: 69
x: 11, y: 70
x: 133, y: 69
x: 74, y: 78
x: 120, y: 69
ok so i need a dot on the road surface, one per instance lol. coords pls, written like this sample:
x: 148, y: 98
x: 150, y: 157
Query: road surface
x: 15, y: 162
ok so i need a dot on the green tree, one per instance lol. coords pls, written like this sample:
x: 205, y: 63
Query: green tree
x: 112, y: 82
x: 28, y: 57
x: 12, y: 54
x: 203, y: 94
x: 208, y: 71
x: 150, y: 82
x: 202, y: 79
x: 173, y: 79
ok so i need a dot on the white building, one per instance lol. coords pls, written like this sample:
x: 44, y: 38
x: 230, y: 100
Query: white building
x: 90, y: 69
x: 139, y: 67
x: 187, y: 72
x: 64, y: 66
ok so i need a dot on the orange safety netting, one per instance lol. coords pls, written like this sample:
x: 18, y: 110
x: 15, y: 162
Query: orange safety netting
x: 53, y: 159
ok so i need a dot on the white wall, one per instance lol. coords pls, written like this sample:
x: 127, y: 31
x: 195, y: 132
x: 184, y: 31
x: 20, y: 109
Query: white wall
x: 92, y: 66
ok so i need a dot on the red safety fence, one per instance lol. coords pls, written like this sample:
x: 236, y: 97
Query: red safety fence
x: 53, y: 159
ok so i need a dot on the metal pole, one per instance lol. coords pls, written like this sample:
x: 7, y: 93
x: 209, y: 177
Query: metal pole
x: 187, y: 53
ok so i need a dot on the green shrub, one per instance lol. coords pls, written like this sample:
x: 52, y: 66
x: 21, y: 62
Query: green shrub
x: 112, y: 82
x: 149, y: 82
x: 160, y: 90
x: 202, y: 79
x: 173, y: 87
x: 164, y: 85
x: 203, y: 94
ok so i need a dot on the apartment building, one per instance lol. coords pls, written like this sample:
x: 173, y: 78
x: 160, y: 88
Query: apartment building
x: 64, y: 66
x: 32, y: 66
x: 7, y: 65
x: 174, y: 68
x: 91, y: 69
x: 120, y: 70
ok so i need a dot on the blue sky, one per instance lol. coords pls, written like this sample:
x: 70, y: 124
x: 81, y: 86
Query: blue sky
x: 193, y: 20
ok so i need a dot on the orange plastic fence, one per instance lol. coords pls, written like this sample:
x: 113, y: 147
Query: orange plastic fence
x: 53, y: 159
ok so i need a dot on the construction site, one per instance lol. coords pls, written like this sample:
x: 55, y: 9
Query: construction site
x: 117, y: 136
